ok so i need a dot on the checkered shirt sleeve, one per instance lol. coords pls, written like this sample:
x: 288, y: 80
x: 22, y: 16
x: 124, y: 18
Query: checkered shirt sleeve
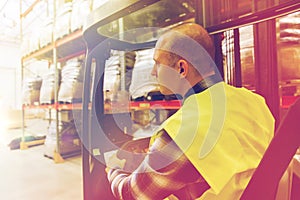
x: 164, y: 171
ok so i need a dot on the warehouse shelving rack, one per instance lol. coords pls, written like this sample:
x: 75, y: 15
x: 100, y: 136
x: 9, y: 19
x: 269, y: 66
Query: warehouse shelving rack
x: 60, y: 50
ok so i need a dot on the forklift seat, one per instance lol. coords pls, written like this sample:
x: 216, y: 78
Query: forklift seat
x: 264, y: 183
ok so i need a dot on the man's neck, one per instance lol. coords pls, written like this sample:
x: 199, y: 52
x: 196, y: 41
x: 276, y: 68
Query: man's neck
x: 203, y: 84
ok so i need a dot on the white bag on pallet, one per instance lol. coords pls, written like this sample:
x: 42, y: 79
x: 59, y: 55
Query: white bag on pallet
x: 142, y: 81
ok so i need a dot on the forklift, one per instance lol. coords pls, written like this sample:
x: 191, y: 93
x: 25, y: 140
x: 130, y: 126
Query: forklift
x: 120, y: 36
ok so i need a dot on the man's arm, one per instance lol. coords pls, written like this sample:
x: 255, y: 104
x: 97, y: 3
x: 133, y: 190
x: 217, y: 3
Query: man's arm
x: 164, y: 171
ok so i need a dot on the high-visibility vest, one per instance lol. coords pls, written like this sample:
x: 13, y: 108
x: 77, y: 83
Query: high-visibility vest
x: 224, y: 132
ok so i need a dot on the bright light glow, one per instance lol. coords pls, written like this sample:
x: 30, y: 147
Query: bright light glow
x: 3, y: 129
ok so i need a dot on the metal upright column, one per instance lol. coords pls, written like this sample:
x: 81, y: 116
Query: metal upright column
x: 22, y: 144
x: 266, y: 64
x: 56, y: 154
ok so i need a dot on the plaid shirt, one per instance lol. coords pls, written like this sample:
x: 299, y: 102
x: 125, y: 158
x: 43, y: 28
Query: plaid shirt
x: 164, y: 171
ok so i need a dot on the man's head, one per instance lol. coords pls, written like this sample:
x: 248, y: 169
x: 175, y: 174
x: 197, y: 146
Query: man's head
x: 183, y: 56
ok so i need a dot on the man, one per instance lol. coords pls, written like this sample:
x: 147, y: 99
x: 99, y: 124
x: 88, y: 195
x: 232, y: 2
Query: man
x: 210, y: 147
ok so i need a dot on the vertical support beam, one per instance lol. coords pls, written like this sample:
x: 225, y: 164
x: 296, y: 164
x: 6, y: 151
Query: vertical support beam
x: 86, y: 129
x: 217, y: 38
x: 237, y: 58
x: 87, y: 192
x: 56, y: 154
x: 200, y: 17
x: 22, y: 78
x: 122, y: 57
x: 266, y: 70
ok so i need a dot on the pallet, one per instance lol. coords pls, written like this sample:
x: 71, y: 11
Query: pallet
x: 26, y: 145
x: 60, y: 158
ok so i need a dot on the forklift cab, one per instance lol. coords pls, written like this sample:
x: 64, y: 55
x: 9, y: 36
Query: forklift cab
x: 121, y: 101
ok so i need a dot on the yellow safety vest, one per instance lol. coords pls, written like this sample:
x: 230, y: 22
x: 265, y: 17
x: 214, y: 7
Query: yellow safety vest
x: 223, y: 131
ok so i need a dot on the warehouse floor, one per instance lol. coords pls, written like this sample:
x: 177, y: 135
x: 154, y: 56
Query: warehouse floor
x: 28, y: 174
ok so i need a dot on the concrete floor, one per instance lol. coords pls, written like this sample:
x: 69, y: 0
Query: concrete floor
x: 29, y: 175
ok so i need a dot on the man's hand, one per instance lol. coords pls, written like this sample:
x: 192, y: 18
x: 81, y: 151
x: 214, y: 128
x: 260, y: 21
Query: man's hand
x: 113, y: 162
x: 134, y: 153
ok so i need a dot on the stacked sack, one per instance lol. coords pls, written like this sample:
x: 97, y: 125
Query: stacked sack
x: 31, y: 91
x: 130, y: 59
x: 69, y: 141
x: 80, y: 11
x: 112, y: 73
x: 63, y: 20
x: 47, y: 92
x: 143, y: 83
x: 112, y: 76
x: 71, y: 86
x: 46, y: 32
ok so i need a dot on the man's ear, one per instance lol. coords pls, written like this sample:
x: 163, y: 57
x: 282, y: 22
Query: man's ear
x: 183, y: 68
